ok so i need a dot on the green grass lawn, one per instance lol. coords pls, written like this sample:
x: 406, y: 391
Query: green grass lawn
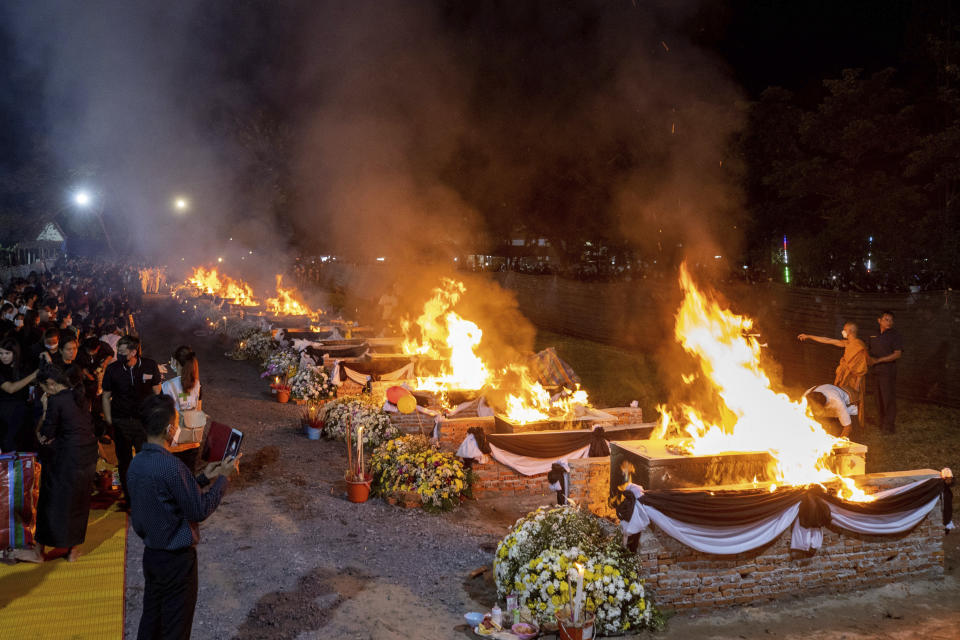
x: 928, y: 435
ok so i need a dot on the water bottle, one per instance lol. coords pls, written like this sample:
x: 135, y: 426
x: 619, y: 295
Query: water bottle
x: 496, y: 615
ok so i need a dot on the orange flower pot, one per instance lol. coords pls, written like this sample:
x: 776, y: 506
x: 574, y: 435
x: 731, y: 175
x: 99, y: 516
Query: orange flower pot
x: 359, y: 490
x: 283, y: 396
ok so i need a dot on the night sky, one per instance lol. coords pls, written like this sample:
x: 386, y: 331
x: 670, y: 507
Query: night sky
x: 283, y: 115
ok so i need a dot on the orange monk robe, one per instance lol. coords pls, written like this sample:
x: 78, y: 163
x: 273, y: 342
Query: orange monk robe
x: 853, y: 365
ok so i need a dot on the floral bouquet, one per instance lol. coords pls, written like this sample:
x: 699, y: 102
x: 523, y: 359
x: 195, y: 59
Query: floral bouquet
x: 612, y: 588
x: 559, y: 527
x: 281, y: 365
x: 413, y: 463
x: 536, y: 560
x: 255, y: 345
x: 355, y: 412
x: 312, y: 383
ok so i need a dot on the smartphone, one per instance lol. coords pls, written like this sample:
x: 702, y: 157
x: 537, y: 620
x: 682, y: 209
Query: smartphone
x: 232, y: 450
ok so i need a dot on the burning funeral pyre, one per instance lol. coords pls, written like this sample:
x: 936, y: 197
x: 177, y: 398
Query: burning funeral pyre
x: 753, y: 417
x: 448, y: 344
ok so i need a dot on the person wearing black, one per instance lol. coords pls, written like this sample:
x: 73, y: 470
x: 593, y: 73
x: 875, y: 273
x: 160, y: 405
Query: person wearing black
x: 126, y: 384
x: 93, y: 358
x: 885, y: 349
x: 68, y: 460
x: 14, y: 395
x: 167, y: 505
x: 46, y: 348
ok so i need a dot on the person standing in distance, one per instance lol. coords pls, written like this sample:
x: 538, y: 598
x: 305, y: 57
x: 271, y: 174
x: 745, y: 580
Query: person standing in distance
x: 127, y: 382
x: 885, y: 349
x: 166, y: 507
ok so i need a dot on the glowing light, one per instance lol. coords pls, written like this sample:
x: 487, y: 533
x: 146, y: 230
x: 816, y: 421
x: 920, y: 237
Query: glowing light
x: 380, y: 259
x: 82, y: 198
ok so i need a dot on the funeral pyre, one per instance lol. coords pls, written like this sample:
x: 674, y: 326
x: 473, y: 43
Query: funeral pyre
x: 451, y: 343
x: 222, y: 300
x: 751, y: 416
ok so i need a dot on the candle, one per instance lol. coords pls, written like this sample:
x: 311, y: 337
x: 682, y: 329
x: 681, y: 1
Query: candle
x: 578, y: 599
x: 360, y: 452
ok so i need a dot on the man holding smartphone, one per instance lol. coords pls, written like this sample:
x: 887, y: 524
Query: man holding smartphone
x: 167, y: 505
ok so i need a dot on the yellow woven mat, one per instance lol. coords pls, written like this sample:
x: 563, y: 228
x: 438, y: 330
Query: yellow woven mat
x: 63, y: 600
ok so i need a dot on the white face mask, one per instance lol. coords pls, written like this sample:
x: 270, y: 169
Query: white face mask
x: 9, y: 316
x: 844, y: 333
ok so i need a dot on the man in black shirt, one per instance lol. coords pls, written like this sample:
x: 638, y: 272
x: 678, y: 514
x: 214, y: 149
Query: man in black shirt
x: 126, y: 384
x: 885, y: 349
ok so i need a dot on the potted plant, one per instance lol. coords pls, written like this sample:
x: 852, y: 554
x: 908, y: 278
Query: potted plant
x: 312, y: 421
x: 358, y: 480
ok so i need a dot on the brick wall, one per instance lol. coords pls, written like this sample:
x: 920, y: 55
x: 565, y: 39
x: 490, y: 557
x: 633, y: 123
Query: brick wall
x: 494, y: 480
x: 413, y: 423
x: 454, y: 430
x: 681, y: 578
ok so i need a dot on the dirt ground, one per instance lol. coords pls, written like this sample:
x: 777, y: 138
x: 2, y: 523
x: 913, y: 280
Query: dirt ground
x: 286, y: 556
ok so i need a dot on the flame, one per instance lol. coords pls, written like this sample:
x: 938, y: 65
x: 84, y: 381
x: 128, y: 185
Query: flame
x: 439, y: 333
x: 211, y: 282
x: 288, y: 303
x: 529, y: 401
x: 757, y: 418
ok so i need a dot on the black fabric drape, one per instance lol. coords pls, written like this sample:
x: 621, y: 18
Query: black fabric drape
x: 947, y: 504
x: 541, y: 444
x: 598, y: 444
x: 721, y: 508
x: 481, y: 437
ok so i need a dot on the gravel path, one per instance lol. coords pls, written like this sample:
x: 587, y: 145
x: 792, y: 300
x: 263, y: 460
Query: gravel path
x: 286, y: 556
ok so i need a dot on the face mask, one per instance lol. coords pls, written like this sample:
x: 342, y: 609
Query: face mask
x: 51, y: 347
x: 844, y: 333
x: 9, y: 316
x: 18, y: 323
x: 23, y: 309
x: 67, y: 323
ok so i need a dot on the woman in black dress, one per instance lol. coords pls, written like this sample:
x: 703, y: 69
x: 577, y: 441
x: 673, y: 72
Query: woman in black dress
x: 68, y: 460
x: 14, y: 388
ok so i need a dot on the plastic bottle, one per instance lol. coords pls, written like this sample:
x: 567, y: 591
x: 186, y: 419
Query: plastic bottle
x: 496, y: 616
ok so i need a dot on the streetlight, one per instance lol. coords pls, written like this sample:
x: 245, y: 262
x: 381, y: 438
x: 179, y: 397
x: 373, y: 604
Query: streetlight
x: 181, y: 204
x: 83, y: 199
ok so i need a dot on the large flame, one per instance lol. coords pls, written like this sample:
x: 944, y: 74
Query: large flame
x: 439, y: 333
x: 758, y: 418
x: 211, y: 282
x: 288, y: 303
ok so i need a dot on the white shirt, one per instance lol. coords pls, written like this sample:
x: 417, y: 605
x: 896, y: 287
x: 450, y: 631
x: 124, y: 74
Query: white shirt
x: 185, y: 401
x: 838, y: 403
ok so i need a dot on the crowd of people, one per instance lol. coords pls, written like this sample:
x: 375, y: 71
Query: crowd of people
x: 59, y: 334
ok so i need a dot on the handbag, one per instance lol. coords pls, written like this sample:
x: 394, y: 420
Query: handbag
x: 19, y: 494
x: 192, y: 424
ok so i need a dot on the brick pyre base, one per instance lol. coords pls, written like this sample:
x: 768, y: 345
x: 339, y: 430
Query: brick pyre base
x: 682, y: 578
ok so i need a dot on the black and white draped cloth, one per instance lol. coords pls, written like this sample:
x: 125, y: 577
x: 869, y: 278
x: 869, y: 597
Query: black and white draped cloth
x: 731, y: 522
x: 535, y: 452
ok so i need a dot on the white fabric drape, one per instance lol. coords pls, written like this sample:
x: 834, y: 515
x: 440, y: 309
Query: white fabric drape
x: 470, y: 451
x: 726, y: 540
x: 532, y: 466
x: 880, y: 524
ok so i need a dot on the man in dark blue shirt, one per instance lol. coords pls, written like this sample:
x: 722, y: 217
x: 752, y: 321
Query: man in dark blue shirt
x: 885, y: 350
x: 166, y: 506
